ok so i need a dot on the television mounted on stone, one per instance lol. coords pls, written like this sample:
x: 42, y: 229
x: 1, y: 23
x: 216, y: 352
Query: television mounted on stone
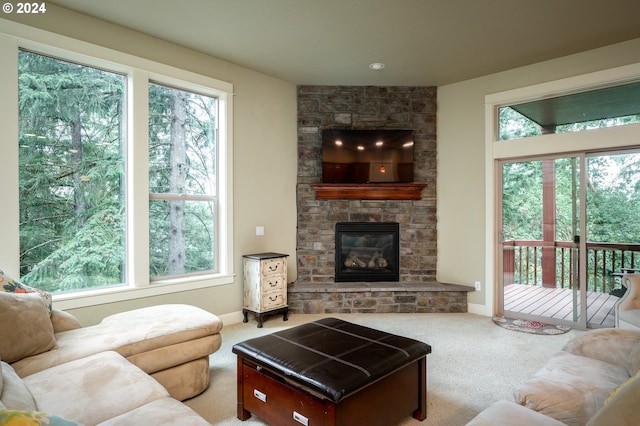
x: 367, y: 156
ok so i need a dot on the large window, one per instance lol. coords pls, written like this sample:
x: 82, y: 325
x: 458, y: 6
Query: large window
x: 71, y: 164
x: 182, y: 179
x: 592, y: 109
x: 123, y: 174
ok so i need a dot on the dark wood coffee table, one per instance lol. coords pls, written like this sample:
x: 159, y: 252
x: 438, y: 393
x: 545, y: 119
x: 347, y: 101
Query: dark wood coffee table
x: 332, y: 372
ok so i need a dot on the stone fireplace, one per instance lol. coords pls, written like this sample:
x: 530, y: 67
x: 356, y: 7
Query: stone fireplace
x: 416, y: 289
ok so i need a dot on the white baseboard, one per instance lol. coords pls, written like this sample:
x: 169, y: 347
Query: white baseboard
x: 474, y: 308
x: 231, y: 318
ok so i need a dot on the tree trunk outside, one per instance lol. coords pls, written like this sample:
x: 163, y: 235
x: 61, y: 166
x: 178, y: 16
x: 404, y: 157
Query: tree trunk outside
x: 79, y: 201
x: 178, y: 177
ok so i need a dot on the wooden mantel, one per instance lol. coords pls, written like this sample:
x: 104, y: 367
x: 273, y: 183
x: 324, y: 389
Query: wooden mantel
x: 368, y: 191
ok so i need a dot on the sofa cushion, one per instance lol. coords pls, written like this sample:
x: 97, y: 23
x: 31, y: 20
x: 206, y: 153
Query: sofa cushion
x: 63, y: 321
x: 622, y: 408
x: 165, y: 411
x: 570, y: 388
x: 93, y: 389
x: 26, y: 327
x: 605, y: 344
x: 614, y: 392
x: 9, y: 285
x: 633, y: 365
x: 507, y: 413
x: 32, y: 418
x: 13, y: 392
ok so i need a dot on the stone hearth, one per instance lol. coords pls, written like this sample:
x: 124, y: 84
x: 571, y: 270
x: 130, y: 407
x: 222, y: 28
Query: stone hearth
x: 378, y: 297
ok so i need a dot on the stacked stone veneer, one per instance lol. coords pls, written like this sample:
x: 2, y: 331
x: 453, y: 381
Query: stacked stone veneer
x: 365, y: 107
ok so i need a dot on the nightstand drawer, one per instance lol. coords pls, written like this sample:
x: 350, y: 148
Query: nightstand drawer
x: 273, y: 266
x: 274, y: 299
x: 273, y: 282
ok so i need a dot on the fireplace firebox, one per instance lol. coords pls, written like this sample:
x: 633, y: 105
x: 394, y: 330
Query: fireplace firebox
x: 367, y: 251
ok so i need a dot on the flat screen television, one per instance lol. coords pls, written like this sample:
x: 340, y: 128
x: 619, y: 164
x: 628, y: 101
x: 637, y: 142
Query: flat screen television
x: 367, y: 156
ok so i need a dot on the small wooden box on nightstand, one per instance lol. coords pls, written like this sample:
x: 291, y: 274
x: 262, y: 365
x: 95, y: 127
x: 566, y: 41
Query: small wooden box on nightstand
x: 265, y: 285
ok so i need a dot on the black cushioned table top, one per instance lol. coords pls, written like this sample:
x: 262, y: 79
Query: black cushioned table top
x: 330, y: 357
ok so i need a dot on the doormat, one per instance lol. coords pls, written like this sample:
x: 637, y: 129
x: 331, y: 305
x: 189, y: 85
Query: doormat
x: 531, y: 327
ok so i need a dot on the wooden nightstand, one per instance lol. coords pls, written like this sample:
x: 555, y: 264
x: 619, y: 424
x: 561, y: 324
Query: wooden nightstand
x: 265, y: 285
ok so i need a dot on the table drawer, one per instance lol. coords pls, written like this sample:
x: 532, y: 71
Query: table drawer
x: 274, y: 299
x: 279, y: 404
x: 273, y: 282
x: 273, y: 266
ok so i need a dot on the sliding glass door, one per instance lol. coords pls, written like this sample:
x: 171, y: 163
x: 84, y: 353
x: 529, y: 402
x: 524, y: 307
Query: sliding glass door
x: 548, y: 271
x: 540, y: 243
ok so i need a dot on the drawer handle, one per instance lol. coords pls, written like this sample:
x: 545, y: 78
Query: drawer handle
x: 261, y: 396
x: 273, y: 284
x: 274, y: 269
x: 273, y: 299
x: 300, y: 418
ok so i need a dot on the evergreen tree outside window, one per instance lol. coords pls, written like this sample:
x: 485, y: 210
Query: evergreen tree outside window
x: 71, y: 165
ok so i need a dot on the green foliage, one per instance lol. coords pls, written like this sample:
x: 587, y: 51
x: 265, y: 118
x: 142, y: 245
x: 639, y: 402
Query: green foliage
x: 522, y: 200
x: 72, y: 182
x: 71, y: 174
x: 612, y: 213
x: 513, y: 125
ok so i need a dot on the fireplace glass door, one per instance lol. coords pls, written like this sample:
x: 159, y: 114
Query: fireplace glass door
x: 367, y: 251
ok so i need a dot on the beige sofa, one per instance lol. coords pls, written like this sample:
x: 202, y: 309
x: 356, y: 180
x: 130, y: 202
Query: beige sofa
x: 628, y: 307
x: 133, y: 365
x: 594, y: 380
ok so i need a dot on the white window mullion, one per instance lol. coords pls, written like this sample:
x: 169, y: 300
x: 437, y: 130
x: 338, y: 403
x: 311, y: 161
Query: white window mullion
x: 225, y: 184
x: 138, y: 180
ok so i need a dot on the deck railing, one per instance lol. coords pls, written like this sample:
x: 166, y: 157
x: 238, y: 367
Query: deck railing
x: 534, y: 262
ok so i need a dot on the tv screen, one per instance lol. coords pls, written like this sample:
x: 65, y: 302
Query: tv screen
x: 367, y: 156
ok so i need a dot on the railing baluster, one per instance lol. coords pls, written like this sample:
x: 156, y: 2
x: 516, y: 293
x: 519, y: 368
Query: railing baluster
x: 562, y: 256
x: 614, y: 268
x: 534, y: 262
x: 595, y: 269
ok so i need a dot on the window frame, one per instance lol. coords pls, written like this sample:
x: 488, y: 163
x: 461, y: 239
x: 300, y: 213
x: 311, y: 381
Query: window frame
x: 212, y: 198
x: 606, y: 138
x: 139, y: 72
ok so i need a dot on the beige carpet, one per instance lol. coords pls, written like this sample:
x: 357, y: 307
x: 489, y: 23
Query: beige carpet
x: 473, y: 363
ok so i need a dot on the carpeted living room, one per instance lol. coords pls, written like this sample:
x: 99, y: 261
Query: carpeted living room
x: 473, y: 362
x: 290, y: 212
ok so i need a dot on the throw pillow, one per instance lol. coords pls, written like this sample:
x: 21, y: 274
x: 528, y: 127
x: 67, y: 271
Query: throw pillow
x: 25, y: 326
x: 15, y: 395
x: 32, y: 418
x: 10, y: 285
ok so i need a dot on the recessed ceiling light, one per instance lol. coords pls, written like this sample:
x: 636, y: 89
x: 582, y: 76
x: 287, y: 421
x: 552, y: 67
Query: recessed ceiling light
x: 376, y: 66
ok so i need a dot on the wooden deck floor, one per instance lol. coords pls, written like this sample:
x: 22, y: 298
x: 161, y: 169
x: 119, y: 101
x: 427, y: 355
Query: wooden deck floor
x: 557, y: 303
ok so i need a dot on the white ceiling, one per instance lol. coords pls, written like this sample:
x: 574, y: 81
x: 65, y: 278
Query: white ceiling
x: 332, y: 42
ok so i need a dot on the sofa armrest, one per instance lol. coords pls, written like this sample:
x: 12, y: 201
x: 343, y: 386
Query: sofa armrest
x: 613, y: 346
x: 63, y: 321
x: 631, y: 299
